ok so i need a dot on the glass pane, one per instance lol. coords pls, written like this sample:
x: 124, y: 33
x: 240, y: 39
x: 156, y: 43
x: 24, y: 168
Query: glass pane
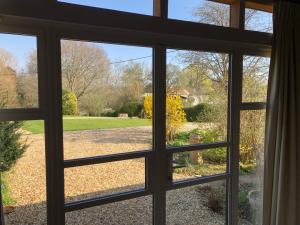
x: 104, y: 179
x: 197, y: 97
x: 201, y: 204
x: 258, y: 21
x: 251, y: 166
x: 136, y: 211
x: 255, y: 78
x: 203, y: 163
x: 201, y: 11
x: 104, y: 86
x: 133, y: 6
x: 18, y: 71
x: 23, y: 175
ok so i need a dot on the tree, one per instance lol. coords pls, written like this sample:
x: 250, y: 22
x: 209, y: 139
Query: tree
x: 175, y: 115
x: 84, y: 66
x: 8, y: 92
x: 213, y: 68
x: 27, y: 83
x: 11, y: 148
x: 69, y: 103
x: 133, y: 81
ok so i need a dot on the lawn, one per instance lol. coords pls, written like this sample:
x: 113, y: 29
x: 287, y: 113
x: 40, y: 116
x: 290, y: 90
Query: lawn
x: 6, y: 198
x: 88, y: 123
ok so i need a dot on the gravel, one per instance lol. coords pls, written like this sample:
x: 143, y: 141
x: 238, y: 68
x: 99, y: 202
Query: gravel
x: 27, y: 183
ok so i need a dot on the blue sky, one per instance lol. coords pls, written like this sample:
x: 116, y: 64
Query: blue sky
x: 20, y: 46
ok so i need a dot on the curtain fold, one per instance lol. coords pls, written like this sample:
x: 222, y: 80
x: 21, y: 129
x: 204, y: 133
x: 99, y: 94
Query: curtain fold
x: 282, y: 144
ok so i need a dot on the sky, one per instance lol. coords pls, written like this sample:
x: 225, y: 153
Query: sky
x: 20, y: 46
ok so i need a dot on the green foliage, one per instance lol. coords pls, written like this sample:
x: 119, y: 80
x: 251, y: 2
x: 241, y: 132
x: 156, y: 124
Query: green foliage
x: 199, y: 113
x: 6, y: 197
x: 91, y: 105
x: 133, y: 109
x: 110, y: 113
x: 69, y: 103
x: 11, y: 148
x: 175, y: 115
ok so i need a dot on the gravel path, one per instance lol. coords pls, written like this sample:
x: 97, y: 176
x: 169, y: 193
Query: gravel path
x: 27, y: 183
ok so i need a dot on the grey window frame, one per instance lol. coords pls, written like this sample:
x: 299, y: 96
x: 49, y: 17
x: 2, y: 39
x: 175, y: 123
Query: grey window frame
x: 51, y: 21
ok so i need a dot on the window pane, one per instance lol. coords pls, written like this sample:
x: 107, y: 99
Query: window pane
x: 201, y: 11
x: 201, y: 204
x: 104, y: 86
x: 197, y: 97
x: 23, y: 181
x: 251, y: 166
x: 255, y: 78
x: 104, y: 179
x: 203, y: 163
x: 18, y: 71
x: 137, y: 211
x: 258, y: 21
x: 133, y: 6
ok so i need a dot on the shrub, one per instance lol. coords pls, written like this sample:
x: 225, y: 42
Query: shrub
x: 11, y: 148
x: 217, y: 155
x: 175, y: 115
x: 110, y: 113
x: 91, y: 105
x: 69, y: 103
x: 132, y: 109
x: 196, y: 113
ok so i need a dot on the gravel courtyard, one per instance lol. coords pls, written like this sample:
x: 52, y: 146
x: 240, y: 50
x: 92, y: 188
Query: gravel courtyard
x: 27, y: 183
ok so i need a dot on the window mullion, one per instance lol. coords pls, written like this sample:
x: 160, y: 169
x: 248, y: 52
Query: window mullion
x: 234, y: 134
x: 159, y: 163
x: 54, y: 131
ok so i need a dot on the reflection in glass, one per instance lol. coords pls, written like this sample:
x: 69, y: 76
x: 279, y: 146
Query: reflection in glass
x: 251, y: 166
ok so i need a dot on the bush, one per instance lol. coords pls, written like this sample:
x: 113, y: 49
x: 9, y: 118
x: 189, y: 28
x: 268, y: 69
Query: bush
x: 110, y: 113
x: 175, y: 115
x: 91, y: 105
x: 217, y: 155
x: 133, y: 109
x: 196, y: 112
x: 69, y: 103
x: 11, y: 148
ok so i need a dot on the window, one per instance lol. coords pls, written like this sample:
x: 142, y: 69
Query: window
x: 23, y: 173
x: 255, y: 78
x: 257, y: 20
x: 132, y: 6
x: 18, y: 71
x: 144, y: 120
x: 201, y: 11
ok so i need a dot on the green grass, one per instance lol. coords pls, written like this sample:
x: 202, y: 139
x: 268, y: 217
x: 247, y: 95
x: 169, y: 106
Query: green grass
x: 6, y: 198
x: 88, y: 123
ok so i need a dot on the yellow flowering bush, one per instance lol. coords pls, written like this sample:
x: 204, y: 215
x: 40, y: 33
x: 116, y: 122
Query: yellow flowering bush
x: 175, y: 115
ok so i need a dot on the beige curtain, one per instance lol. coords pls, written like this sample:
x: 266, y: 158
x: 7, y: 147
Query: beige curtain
x: 282, y: 145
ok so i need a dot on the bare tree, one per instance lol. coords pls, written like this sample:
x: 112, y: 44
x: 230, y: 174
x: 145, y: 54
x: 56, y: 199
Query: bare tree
x: 27, y: 83
x: 84, y: 66
x: 8, y: 65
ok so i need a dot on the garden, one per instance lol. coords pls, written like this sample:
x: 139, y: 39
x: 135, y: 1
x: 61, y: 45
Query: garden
x: 107, y: 109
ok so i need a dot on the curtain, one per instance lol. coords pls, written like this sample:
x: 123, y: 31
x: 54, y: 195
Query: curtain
x: 282, y: 143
